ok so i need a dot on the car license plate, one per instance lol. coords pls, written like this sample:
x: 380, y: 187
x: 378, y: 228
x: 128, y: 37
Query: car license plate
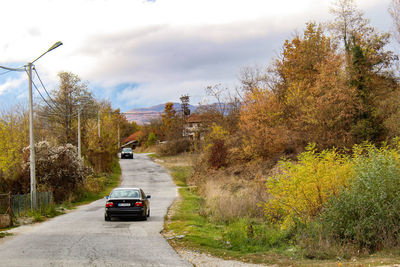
x: 124, y: 204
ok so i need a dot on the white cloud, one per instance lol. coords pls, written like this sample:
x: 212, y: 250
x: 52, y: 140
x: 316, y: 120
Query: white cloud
x: 11, y: 83
x: 166, y: 47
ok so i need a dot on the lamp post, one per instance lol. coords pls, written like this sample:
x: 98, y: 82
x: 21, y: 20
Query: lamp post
x: 31, y: 135
x: 31, y: 142
x: 79, y: 133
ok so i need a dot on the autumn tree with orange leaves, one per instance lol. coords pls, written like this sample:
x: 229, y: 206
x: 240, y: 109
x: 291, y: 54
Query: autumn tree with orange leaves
x: 308, y: 102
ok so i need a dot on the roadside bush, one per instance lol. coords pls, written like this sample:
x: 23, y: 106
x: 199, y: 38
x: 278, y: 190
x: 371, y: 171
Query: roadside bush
x: 100, y: 160
x: 316, y: 242
x: 368, y: 213
x: 58, y: 169
x: 151, y: 139
x: 95, y: 183
x: 216, y: 148
x: 218, y: 154
x: 302, y: 188
x: 174, y: 147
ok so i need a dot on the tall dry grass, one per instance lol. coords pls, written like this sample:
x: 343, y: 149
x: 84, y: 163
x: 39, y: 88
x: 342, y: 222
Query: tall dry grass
x: 227, y: 198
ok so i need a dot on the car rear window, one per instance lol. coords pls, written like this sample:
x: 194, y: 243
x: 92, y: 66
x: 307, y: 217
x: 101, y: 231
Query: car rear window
x: 127, y: 150
x: 125, y: 193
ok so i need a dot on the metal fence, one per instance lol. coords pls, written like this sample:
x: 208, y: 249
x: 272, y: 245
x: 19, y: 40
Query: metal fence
x: 21, y: 204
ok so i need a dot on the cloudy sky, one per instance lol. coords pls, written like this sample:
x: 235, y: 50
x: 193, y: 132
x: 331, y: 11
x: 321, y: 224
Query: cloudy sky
x: 139, y: 53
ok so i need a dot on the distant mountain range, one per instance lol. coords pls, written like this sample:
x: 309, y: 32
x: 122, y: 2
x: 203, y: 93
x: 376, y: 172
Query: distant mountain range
x: 144, y: 115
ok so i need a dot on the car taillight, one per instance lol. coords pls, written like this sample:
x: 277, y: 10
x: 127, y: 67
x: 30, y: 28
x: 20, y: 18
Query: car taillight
x: 138, y: 204
x: 109, y: 204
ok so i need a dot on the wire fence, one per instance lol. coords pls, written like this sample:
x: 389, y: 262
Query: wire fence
x: 21, y: 204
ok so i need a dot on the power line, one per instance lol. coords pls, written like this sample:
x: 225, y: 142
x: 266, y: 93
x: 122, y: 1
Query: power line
x: 11, y: 69
x: 5, y: 72
x: 37, y: 75
x: 37, y: 89
x: 51, y: 99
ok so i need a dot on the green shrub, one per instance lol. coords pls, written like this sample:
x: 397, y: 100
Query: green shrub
x: 95, y: 183
x: 248, y: 235
x: 368, y: 213
x: 151, y: 139
x: 174, y: 147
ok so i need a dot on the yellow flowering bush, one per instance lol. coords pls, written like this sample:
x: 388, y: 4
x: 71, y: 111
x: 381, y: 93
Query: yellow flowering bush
x: 302, y: 188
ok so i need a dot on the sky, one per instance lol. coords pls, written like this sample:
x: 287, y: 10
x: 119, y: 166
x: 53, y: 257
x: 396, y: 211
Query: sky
x: 138, y: 53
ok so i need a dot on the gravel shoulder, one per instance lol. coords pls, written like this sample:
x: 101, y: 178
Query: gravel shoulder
x: 206, y: 260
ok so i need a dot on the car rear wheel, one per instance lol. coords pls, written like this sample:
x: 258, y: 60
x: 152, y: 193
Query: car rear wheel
x: 144, y: 217
x: 107, y: 217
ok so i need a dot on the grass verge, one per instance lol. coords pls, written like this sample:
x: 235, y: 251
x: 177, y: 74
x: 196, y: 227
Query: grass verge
x: 244, y: 239
x: 107, y: 182
x: 180, y: 174
x: 187, y: 227
x: 4, y: 234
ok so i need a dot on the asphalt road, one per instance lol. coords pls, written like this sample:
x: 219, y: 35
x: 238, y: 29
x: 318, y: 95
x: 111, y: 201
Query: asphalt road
x: 83, y: 238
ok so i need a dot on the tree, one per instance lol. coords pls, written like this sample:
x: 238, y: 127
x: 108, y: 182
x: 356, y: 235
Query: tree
x: 127, y: 128
x: 60, y: 116
x: 367, y: 67
x: 151, y: 139
x: 223, y: 109
x: 172, y: 125
x: 14, y: 136
x: 260, y: 121
x: 394, y: 11
x: 102, y: 150
x: 306, y: 101
x: 349, y: 21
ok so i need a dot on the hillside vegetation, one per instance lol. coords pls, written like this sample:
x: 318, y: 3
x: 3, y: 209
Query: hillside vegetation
x: 305, y: 154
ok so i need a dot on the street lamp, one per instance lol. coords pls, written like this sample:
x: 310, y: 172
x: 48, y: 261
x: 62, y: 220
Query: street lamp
x: 31, y: 136
x: 54, y: 46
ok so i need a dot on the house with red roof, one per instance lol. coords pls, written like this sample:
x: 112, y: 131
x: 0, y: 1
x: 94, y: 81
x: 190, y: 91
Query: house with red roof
x: 132, y: 140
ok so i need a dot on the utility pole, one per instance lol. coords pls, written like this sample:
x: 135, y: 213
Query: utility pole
x: 98, y: 124
x: 119, y: 138
x: 32, y: 142
x: 79, y: 132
